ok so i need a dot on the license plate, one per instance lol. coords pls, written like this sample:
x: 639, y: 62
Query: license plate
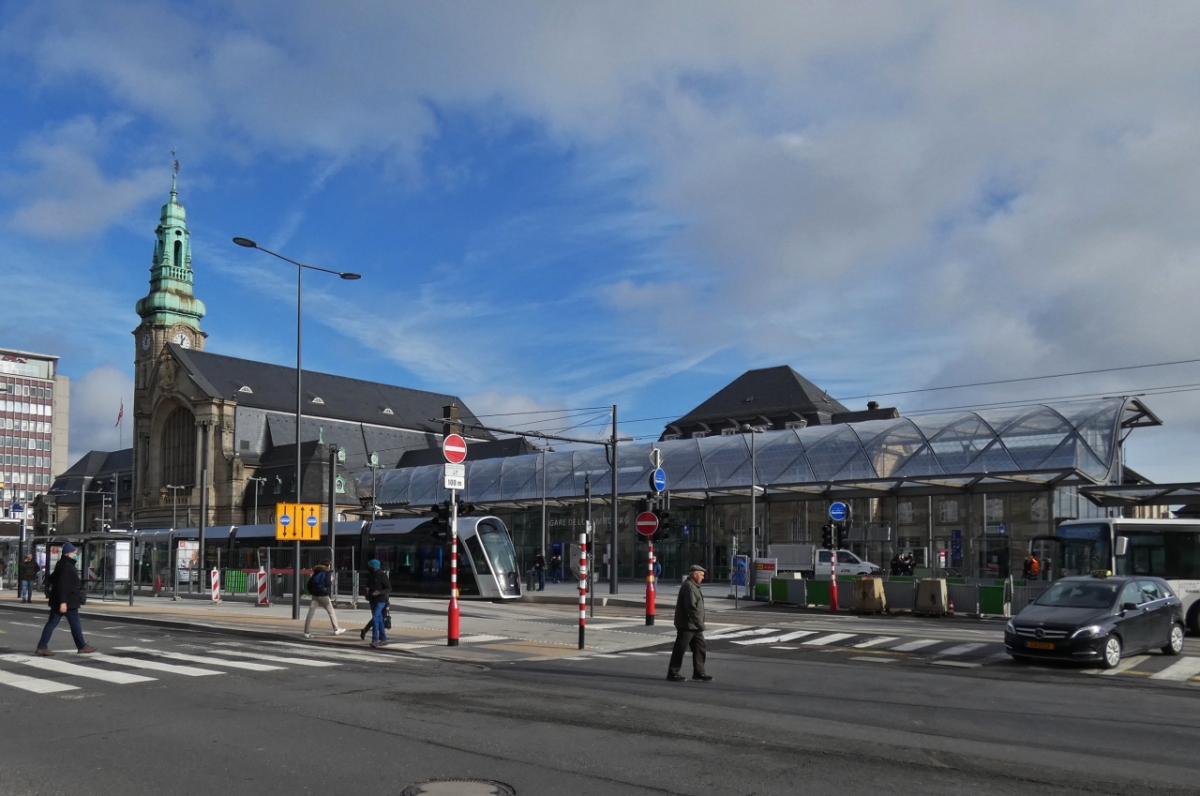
x: 1040, y: 645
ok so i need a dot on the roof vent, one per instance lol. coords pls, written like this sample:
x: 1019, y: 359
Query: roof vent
x: 387, y: 410
x: 318, y: 400
x: 246, y: 389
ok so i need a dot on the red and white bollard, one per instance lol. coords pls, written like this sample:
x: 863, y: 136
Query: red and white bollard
x: 650, y: 590
x: 833, y: 601
x: 263, y: 598
x: 950, y: 608
x: 583, y: 580
x: 215, y: 578
x: 452, y: 630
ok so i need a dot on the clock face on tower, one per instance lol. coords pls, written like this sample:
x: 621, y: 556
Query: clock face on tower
x: 145, y: 342
x: 182, y: 340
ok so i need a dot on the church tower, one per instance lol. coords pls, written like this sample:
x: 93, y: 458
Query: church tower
x: 169, y: 312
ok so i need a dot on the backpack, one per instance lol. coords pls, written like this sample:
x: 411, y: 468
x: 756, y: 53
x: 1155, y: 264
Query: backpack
x: 318, y: 584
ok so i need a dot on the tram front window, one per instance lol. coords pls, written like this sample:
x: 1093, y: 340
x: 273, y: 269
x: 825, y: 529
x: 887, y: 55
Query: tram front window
x: 499, y: 551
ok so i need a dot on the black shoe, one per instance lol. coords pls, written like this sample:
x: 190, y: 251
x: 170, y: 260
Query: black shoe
x: 703, y: 678
x: 362, y: 634
x: 676, y: 678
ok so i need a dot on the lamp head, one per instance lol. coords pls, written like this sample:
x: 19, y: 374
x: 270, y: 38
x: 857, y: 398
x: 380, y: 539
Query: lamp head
x: 349, y: 275
x: 249, y: 244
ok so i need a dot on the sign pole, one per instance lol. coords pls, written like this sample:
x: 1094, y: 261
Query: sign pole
x: 452, y: 635
x: 583, y: 580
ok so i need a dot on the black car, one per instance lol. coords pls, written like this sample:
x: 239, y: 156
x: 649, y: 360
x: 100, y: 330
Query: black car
x: 1097, y: 619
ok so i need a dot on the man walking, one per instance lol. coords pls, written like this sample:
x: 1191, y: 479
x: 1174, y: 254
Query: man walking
x: 65, y: 600
x: 539, y: 568
x: 379, y: 589
x: 689, y: 626
x: 26, y: 575
x: 318, y: 588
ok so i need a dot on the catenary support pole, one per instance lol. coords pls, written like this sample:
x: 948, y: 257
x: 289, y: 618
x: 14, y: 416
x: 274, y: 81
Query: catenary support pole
x: 299, y: 418
x: 583, y: 581
x: 200, y: 564
x: 452, y: 633
x: 616, y: 500
x: 589, y: 535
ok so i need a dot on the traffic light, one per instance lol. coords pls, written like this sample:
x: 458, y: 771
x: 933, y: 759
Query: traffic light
x: 642, y: 506
x: 664, y: 525
x: 843, y: 532
x: 827, y: 537
x: 441, y: 518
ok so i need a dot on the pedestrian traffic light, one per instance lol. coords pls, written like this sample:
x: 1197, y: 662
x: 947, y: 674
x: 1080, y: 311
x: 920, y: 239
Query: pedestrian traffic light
x: 664, y: 525
x: 842, y: 532
x: 827, y: 537
x: 643, y: 506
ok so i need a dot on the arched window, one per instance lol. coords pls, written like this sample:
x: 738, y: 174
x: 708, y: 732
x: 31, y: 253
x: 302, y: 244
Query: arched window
x: 179, y: 449
x: 178, y: 254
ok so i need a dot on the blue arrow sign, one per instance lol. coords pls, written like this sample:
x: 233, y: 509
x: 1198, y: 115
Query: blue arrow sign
x: 285, y: 520
x: 312, y: 521
x: 838, y: 511
x: 658, y: 481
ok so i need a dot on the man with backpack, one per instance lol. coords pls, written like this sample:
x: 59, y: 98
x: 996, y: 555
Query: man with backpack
x: 66, y: 595
x: 318, y: 587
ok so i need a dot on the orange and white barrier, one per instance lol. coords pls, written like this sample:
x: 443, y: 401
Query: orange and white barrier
x: 263, y: 599
x: 215, y: 577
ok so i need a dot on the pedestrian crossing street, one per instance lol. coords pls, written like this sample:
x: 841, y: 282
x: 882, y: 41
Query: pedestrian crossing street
x: 131, y: 665
x: 870, y: 648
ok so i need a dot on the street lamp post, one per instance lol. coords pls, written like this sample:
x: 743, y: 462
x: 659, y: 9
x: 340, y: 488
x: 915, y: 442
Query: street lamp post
x: 753, y: 495
x: 249, y: 244
x: 545, y: 450
x: 258, y: 482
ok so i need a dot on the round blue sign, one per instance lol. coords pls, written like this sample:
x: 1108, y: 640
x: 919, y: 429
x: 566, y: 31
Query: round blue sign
x: 285, y: 520
x: 838, y: 511
x: 658, y: 481
x: 312, y: 521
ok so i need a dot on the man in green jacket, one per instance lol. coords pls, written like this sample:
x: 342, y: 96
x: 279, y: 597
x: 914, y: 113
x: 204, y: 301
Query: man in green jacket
x: 689, y: 626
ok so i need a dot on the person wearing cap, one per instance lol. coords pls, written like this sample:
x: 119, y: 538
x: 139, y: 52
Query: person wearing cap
x: 65, y: 599
x: 689, y: 627
x: 379, y: 589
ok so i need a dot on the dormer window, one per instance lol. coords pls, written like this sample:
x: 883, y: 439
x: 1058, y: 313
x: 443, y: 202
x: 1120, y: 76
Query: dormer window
x: 318, y: 400
x: 729, y: 431
x: 245, y: 389
x: 387, y: 410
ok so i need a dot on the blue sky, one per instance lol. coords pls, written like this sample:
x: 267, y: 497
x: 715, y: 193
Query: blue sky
x: 557, y: 206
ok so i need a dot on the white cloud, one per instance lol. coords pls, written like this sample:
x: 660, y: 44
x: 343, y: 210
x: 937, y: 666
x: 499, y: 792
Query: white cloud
x: 96, y: 400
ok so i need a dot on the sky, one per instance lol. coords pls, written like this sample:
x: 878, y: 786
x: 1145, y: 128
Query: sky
x: 557, y: 207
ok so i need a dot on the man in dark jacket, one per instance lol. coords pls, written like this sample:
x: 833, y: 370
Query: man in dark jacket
x: 689, y: 627
x: 539, y: 568
x: 65, y: 599
x: 379, y: 589
x: 318, y: 588
x: 27, y: 573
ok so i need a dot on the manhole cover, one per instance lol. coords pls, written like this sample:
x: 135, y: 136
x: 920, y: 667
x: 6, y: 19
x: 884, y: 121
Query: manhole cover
x: 459, y: 787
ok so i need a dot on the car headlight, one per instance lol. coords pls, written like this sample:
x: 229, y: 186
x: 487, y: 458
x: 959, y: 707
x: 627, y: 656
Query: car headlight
x: 1088, y: 632
x: 1010, y: 628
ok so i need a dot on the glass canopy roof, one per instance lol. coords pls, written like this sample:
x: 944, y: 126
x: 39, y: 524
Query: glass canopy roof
x: 1017, y: 448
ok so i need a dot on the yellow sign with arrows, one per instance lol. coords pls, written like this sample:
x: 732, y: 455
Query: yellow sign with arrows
x: 298, y: 522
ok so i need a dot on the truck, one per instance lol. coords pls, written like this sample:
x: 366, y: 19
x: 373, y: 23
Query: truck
x: 812, y: 562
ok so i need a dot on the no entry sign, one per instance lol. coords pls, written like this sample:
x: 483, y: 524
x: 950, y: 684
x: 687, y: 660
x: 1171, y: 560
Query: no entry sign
x: 454, y: 448
x: 646, y: 523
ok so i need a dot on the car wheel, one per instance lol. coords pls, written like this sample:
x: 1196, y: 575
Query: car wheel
x: 1175, y: 642
x: 1111, y: 653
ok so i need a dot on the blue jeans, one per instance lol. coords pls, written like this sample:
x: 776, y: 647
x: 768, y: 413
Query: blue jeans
x: 541, y: 573
x: 72, y: 620
x: 25, y: 590
x: 377, y: 628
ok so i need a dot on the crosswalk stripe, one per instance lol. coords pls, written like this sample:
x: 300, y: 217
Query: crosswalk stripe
x: 179, y: 656
x: 275, y: 658
x: 865, y: 659
x: 824, y: 640
x: 158, y: 666
x: 365, y: 655
x: 481, y: 638
x: 795, y: 634
x: 916, y: 645
x: 961, y: 649
x: 646, y: 654
x: 1127, y: 663
x: 62, y: 667
x: 754, y: 631
x: 960, y: 664
x: 34, y: 684
x: 874, y: 642
x: 1181, y: 670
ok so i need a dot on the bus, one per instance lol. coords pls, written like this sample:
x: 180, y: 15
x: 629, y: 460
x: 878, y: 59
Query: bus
x: 1167, y: 549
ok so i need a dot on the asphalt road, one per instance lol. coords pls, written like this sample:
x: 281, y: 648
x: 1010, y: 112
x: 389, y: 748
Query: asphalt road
x: 775, y: 721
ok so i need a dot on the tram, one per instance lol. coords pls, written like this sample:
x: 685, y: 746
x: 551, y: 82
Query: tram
x: 415, y: 552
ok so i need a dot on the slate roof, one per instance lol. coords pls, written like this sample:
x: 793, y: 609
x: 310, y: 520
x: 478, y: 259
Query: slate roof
x: 94, y: 466
x: 766, y: 393
x: 515, y: 446
x: 273, y: 387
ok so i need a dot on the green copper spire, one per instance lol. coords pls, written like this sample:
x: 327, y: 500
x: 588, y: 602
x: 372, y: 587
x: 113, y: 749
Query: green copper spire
x: 170, y: 300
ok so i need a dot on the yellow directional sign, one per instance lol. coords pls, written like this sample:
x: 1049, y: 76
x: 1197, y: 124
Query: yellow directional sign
x: 298, y: 522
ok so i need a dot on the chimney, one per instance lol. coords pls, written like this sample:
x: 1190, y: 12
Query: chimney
x: 872, y: 405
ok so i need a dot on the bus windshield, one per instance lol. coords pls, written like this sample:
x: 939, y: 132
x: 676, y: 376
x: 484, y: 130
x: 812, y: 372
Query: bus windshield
x: 1084, y: 548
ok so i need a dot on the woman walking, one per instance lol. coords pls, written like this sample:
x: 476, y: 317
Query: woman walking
x: 379, y: 589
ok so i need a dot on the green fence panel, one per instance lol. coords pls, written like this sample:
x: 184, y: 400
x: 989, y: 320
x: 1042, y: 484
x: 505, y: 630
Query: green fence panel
x: 991, y: 599
x: 818, y: 592
x: 779, y: 590
x: 235, y: 580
